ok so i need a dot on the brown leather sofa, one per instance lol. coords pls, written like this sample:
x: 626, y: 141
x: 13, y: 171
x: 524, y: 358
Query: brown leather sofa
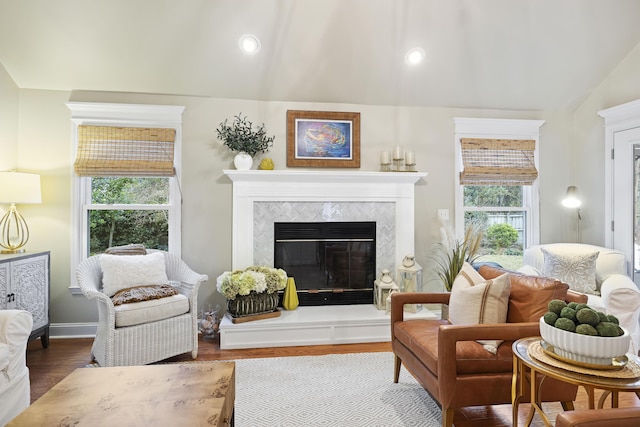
x: 456, y: 370
x: 618, y: 417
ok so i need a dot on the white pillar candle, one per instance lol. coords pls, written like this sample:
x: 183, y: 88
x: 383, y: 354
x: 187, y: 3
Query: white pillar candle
x: 397, y: 153
x: 384, y: 158
x: 410, y: 160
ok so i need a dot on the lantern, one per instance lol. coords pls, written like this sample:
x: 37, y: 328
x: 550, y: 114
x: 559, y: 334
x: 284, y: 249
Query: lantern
x: 410, y: 279
x: 387, y: 304
x: 382, y: 287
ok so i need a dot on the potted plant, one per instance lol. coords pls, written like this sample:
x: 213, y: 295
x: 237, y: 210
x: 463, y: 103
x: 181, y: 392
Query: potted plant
x: 451, y: 254
x: 243, y: 138
x: 253, y: 290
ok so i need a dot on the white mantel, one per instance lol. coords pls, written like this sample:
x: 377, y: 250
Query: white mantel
x: 384, y: 196
x: 319, y: 186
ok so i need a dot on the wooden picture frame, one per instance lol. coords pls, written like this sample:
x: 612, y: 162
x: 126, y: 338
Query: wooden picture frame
x: 323, y: 139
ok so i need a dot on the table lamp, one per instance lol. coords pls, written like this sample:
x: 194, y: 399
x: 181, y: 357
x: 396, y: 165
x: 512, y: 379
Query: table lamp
x: 16, y: 187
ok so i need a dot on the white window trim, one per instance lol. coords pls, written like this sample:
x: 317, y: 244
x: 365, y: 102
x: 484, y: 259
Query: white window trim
x: 131, y: 115
x: 500, y: 129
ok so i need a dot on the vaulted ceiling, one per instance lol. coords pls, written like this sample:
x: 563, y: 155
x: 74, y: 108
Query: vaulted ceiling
x: 495, y: 54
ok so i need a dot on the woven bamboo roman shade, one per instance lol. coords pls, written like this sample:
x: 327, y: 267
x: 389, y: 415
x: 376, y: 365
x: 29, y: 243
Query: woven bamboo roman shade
x: 125, y: 151
x: 498, y: 161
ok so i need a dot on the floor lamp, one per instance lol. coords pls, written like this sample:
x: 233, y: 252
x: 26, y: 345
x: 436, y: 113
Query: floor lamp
x: 572, y: 200
x: 16, y: 187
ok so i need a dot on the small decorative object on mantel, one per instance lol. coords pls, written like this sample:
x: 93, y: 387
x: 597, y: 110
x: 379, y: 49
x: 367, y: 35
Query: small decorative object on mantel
x: 382, y: 286
x: 241, y: 137
x: 266, y: 164
x: 252, y: 293
x: 410, y: 279
x: 402, y: 161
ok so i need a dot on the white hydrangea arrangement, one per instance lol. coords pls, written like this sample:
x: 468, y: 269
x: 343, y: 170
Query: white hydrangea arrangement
x: 255, y: 278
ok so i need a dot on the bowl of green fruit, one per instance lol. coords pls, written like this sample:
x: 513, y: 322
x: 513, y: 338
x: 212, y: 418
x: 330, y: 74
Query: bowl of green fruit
x: 579, y: 333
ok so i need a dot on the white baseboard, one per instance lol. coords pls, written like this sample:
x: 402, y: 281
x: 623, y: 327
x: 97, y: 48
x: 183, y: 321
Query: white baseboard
x: 73, y: 330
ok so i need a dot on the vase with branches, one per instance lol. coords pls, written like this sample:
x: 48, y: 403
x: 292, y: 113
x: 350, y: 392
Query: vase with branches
x: 241, y: 136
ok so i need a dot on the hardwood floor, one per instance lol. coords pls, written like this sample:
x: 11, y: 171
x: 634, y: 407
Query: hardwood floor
x: 49, y: 366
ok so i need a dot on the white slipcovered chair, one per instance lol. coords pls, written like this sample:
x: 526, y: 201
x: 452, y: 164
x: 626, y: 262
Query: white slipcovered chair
x: 144, y: 332
x: 615, y: 293
x: 15, y: 390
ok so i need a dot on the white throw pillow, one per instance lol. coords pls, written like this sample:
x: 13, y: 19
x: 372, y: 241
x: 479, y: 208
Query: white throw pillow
x: 576, y: 270
x: 476, y: 300
x: 124, y: 271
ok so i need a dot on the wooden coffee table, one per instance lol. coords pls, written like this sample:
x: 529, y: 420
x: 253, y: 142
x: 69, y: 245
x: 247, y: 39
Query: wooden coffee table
x: 172, y: 395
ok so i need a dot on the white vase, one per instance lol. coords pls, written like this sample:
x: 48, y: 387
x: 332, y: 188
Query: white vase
x: 243, y: 161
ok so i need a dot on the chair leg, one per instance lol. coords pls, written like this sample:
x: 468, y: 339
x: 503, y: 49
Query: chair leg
x: 397, y: 364
x: 194, y: 354
x: 567, y: 406
x: 447, y: 417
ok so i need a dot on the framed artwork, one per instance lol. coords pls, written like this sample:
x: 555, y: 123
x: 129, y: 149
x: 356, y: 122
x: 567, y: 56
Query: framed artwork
x: 323, y: 139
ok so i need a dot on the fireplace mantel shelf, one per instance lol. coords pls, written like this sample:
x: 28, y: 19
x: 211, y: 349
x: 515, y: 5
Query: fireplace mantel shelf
x: 309, y: 176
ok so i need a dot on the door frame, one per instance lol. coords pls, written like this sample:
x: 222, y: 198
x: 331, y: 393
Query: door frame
x: 616, y: 119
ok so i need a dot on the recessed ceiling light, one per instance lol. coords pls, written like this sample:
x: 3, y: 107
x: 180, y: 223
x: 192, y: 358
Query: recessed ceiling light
x: 414, y: 56
x: 249, y: 44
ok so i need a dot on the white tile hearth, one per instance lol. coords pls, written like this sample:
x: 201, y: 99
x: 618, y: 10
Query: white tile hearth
x: 337, y: 324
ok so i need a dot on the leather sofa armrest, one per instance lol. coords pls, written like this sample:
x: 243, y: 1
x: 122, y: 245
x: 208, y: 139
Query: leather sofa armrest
x: 449, y: 335
x: 399, y: 299
x: 619, y: 417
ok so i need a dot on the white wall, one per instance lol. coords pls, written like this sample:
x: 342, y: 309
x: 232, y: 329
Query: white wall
x: 8, y: 121
x: 621, y: 86
x: 45, y: 147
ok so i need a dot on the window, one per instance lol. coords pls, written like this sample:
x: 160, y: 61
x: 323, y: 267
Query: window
x: 497, y: 191
x: 126, y: 178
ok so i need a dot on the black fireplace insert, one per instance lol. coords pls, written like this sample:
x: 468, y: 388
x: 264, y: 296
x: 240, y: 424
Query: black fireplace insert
x: 333, y: 263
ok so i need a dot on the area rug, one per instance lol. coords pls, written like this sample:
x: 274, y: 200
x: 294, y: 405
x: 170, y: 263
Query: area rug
x: 334, y: 390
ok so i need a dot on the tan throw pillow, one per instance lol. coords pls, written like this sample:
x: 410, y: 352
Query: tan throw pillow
x: 126, y: 271
x: 576, y: 270
x: 475, y: 300
x: 142, y: 293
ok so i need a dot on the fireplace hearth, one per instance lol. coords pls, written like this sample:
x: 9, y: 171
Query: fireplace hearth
x: 333, y: 263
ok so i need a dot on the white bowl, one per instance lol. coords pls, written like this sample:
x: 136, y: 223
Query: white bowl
x: 584, y: 348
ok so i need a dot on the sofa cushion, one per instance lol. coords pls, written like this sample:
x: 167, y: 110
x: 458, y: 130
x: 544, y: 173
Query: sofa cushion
x: 137, y: 313
x: 576, y: 270
x: 475, y: 300
x: 131, y: 249
x: 421, y: 336
x: 125, y: 271
x: 529, y: 296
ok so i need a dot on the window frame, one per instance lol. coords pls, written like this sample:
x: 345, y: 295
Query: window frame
x: 500, y: 129
x: 125, y: 115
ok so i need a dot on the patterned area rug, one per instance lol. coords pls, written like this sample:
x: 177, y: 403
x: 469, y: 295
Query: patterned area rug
x: 335, y: 390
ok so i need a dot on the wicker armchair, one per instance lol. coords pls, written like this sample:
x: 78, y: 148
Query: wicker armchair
x: 147, y: 342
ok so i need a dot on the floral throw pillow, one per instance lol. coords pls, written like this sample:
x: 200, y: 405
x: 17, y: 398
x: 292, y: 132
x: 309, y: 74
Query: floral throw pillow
x: 476, y: 300
x: 576, y: 270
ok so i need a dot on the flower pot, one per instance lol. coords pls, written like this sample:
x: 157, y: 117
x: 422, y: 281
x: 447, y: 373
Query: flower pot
x: 254, y: 303
x: 243, y: 161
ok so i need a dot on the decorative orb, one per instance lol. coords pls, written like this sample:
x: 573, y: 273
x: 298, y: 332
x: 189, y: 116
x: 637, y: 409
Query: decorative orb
x: 266, y: 164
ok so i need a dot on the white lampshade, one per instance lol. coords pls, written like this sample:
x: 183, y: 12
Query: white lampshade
x: 20, y: 188
x: 571, y: 200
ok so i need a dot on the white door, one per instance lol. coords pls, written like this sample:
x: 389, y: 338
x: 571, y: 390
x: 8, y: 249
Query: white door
x: 626, y: 219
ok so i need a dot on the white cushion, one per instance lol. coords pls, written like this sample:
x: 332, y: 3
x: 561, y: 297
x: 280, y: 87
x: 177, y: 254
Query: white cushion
x: 476, y: 300
x: 125, y: 271
x: 578, y: 270
x: 137, y: 313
